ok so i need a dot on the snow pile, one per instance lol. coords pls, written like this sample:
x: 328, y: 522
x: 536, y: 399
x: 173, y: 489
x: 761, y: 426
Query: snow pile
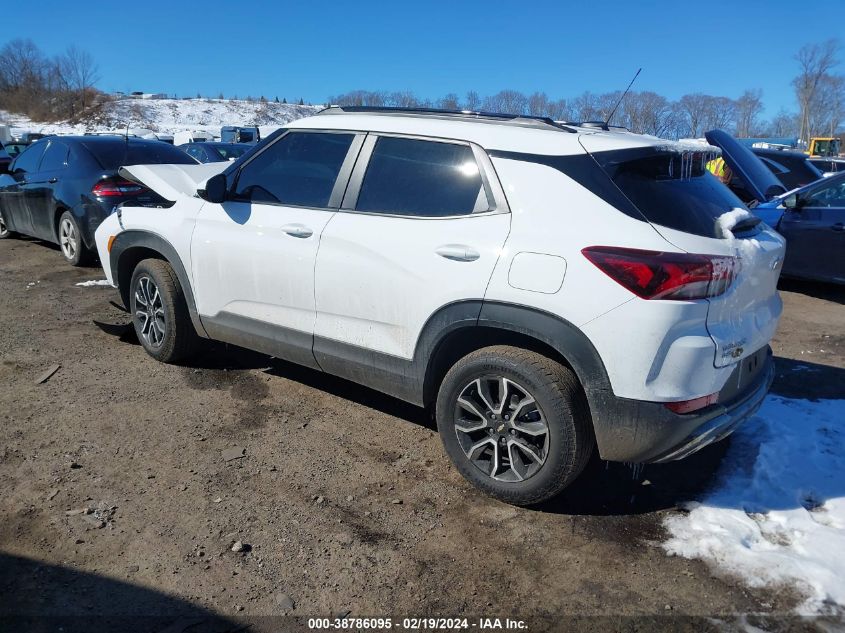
x: 94, y: 282
x: 777, y: 513
x: 727, y: 221
x: 167, y: 116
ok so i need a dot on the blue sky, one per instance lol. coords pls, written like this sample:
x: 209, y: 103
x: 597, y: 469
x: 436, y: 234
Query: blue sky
x: 319, y: 48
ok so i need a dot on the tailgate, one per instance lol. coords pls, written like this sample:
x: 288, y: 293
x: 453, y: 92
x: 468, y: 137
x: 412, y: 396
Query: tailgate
x: 744, y: 319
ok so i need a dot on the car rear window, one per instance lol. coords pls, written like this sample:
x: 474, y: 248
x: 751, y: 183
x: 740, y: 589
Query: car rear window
x: 672, y: 189
x: 119, y: 153
x: 231, y: 151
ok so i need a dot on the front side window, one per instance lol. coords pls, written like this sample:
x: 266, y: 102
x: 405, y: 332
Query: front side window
x: 832, y: 195
x: 299, y: 169
x: 28, y: 159
x: 422, y: 178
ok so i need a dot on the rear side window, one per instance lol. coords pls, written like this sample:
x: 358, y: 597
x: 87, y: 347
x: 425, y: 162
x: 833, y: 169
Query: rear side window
x: 421, y: 178
x: 119, y: 153
x: 28, y: 159
x: 197, y: 152
x: 672, y: 189
x: 299, y: 169
x: 55, y: 158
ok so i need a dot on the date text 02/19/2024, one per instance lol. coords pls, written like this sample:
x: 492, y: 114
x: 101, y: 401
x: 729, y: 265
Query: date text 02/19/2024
x: 418, y: 624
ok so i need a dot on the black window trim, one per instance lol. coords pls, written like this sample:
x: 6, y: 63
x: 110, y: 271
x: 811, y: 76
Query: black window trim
x: 340, y: 183
x: 489, y: 179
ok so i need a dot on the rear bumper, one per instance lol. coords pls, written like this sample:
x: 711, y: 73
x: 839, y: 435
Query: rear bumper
x: 648, y: 432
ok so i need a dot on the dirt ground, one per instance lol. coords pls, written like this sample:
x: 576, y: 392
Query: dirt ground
x: 343, y: 499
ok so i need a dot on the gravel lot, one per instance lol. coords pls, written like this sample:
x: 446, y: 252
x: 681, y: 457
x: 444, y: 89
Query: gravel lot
x: 342, y: 498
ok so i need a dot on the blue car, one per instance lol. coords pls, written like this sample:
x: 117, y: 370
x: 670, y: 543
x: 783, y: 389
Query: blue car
x: 812, y: 219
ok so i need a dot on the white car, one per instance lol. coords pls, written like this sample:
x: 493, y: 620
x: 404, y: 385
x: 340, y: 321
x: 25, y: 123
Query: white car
x: 547, y: 289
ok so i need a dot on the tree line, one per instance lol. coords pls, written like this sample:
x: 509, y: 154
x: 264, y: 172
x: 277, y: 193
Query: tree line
x: 820, y: 95
x: 46, y: 88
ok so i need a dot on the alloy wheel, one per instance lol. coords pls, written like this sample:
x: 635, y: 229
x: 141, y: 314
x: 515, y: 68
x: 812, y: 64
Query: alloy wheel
x: 4, y: 230
x: 150, y: 312
x: 68, y: 239
x: 501, y: 428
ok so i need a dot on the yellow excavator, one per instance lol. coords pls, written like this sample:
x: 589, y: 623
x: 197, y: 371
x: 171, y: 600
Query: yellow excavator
x: 824, y: 146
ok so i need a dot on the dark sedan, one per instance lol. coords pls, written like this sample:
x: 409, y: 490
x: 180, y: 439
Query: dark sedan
x: 812, y: 220
x: 59, y: 189
x: 793, y: 169
x: 215, y: 152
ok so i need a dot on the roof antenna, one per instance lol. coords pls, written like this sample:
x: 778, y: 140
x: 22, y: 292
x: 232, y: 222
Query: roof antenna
x: 612, y: 112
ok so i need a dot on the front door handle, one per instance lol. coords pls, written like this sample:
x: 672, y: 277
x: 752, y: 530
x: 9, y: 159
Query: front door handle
x: 458, y: 252
x: 53, y: 181
x: 838, y: 226
x: 297, y: 230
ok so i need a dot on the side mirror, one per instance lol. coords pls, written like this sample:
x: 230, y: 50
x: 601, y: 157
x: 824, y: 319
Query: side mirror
x: 215, y: 190
x: 791, y: 202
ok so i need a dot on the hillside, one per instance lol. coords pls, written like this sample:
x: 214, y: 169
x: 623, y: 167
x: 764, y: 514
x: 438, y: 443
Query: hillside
x: 170, y: 115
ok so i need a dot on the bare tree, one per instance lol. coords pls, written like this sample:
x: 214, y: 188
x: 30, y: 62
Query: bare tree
x: 826, y: 108
x: 472, y: 101
x: 644, y: 113
x: 538, y: 104
x: 507, y: 101
x: 560, y: 110
x: 748, y: 108
x: 815, y: 61
x: 449, y: 102
x: 585, y: 107
x: 79, y: 71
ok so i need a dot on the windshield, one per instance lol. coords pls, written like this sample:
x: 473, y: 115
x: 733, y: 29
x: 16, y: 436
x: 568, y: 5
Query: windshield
x: 828, y: 147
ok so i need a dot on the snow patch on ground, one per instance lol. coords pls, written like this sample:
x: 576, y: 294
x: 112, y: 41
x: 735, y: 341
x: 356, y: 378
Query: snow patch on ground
x: 777, y: 513
x: 94, y: 282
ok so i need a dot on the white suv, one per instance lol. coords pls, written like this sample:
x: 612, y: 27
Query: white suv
x: 546, y: 288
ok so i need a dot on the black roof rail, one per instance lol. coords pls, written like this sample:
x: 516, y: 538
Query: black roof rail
x: 490, y: 117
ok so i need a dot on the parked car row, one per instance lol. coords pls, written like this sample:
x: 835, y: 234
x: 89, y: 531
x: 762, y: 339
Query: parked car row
x: 547, y: 290
x: 60, y: 188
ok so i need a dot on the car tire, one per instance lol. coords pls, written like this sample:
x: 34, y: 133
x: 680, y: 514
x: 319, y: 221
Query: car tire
x: 70, y: 241
x: 160, y: 313
x: 5, y: 233
x: 534, y: 441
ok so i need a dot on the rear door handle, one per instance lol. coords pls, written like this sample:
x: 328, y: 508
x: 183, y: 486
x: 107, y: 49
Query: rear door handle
x: 297, y: 230
x: 838, y: 226
x: 458, y: 252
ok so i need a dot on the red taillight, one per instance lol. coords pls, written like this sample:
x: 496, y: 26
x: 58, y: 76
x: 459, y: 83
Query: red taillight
x: 117, y: 187
x: 688, y: 406
x: 658, y: 275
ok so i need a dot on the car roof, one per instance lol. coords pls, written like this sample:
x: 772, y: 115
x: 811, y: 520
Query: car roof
x: 774, y: 153
x: 514, y: 134
x: 217, y: 144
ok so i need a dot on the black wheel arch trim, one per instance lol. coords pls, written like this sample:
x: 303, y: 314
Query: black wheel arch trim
x: 126, y: 241
x: 416, y: 380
